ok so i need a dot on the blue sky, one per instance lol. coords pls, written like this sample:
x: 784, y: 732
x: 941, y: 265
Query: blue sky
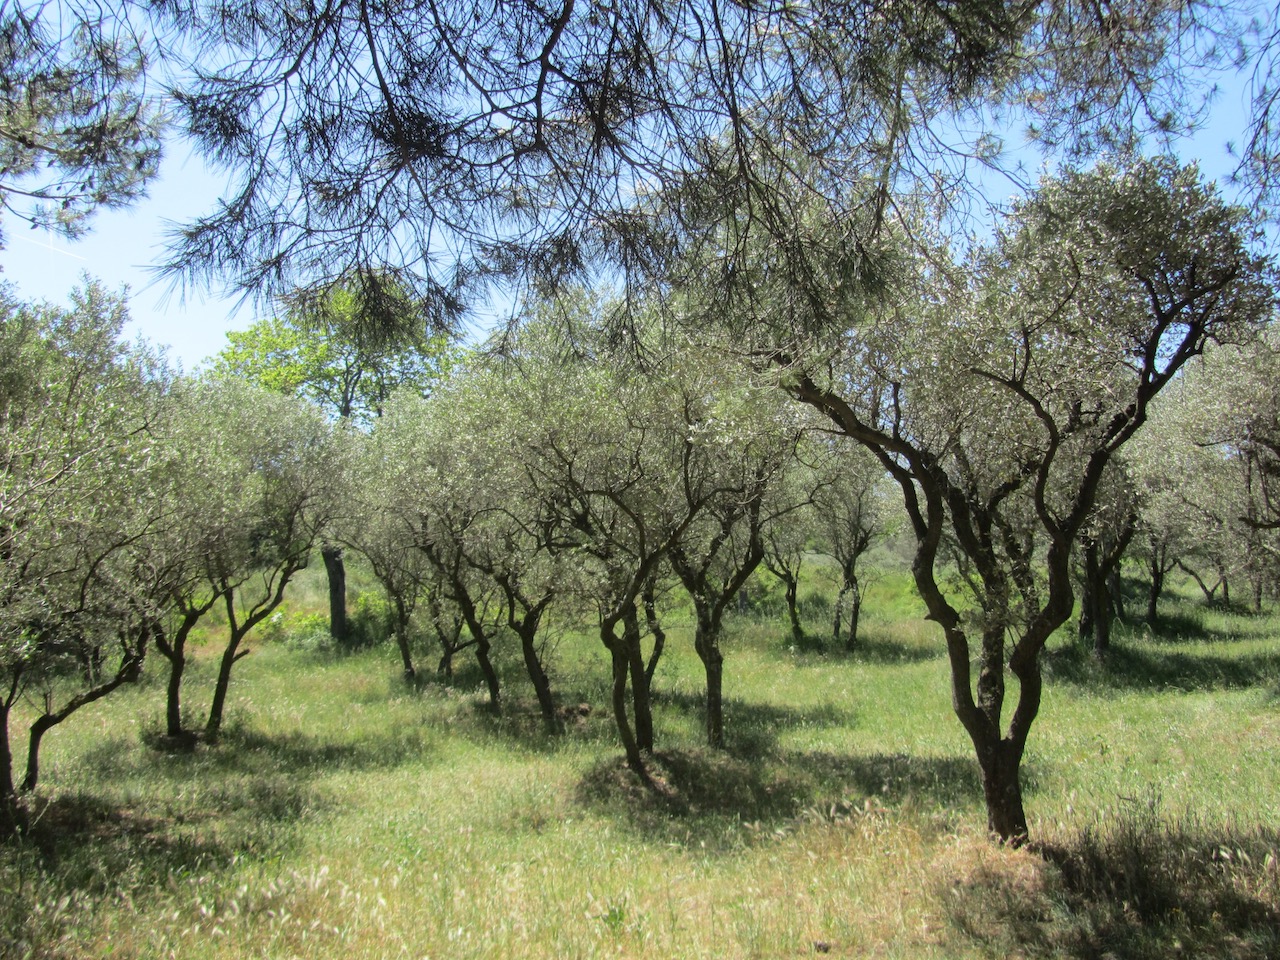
x: 122, y: 248
x: 124, y: 245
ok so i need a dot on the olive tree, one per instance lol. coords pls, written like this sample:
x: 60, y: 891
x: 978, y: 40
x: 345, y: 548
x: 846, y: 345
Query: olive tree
x: 82, y: 585
x: 519, y: 540
x: 379, y: 527
x: 289, y: 472
x: 1101, y: 547
x: 996, y: 397
x: 252, y: 477
x: 626, y: 452
x: 1216, y: 474
x: 1186, y: 494
x: 444, y: 501
x: 850, y: 516
x: 743, y: 442
x: 346, y: 349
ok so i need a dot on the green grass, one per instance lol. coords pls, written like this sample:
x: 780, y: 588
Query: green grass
x: 347, y: 814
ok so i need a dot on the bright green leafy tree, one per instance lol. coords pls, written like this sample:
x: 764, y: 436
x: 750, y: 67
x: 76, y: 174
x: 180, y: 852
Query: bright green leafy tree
x: 346, y: 349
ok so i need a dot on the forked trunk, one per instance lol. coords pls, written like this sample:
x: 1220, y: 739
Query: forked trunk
x: 238, y: 628
x: 445, y: 667
x: 402, y: 637
x: 631, y: 747
x: 175, y: 651
x: 448, y: 633
x: 480, y: 637
x: 999, y: 757
x: 706, y: 642
x: 640, y: 701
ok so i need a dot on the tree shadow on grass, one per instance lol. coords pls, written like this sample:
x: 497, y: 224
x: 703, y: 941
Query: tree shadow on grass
x: 301, y: 753
x: 92, y: 844
x: 1145, y: 667
x: 1175, y: 626
x: 1189, y: 621
x: 718, y: 801
x: 872, y: 648
x: 583, y: 716
x: 253, y: 787
x: 82, y: 850
x: 1136, y: 887
x: 249, y: 796
x: 247, y: 751
x: 752, y: 728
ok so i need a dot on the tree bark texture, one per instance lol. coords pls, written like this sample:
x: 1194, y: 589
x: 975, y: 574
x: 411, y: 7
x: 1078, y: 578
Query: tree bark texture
x: 528, y: 634
x: 1000, y: 763
x: 232, y: 654
x: 173, y: 693
x: 402, y: 637
x: 793, y: 609
x: 640, y: 702
x: 630, y: 745
x: 336, y: 569
x: 708, y: 647
x: 12, y: 815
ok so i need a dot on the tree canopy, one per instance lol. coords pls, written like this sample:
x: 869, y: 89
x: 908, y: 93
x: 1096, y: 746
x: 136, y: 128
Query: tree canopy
x: 79, y: 125
x: 340, y: 352
x: 447, y: 143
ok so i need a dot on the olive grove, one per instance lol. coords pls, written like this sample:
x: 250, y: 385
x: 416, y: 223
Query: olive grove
x: 998, y: 402
x: 752, y: 281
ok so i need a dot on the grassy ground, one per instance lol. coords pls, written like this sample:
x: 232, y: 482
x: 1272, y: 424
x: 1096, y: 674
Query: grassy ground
x: 347, y: 814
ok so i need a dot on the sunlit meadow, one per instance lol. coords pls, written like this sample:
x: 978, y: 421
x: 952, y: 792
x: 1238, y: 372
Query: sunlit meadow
x: 346, y: 813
